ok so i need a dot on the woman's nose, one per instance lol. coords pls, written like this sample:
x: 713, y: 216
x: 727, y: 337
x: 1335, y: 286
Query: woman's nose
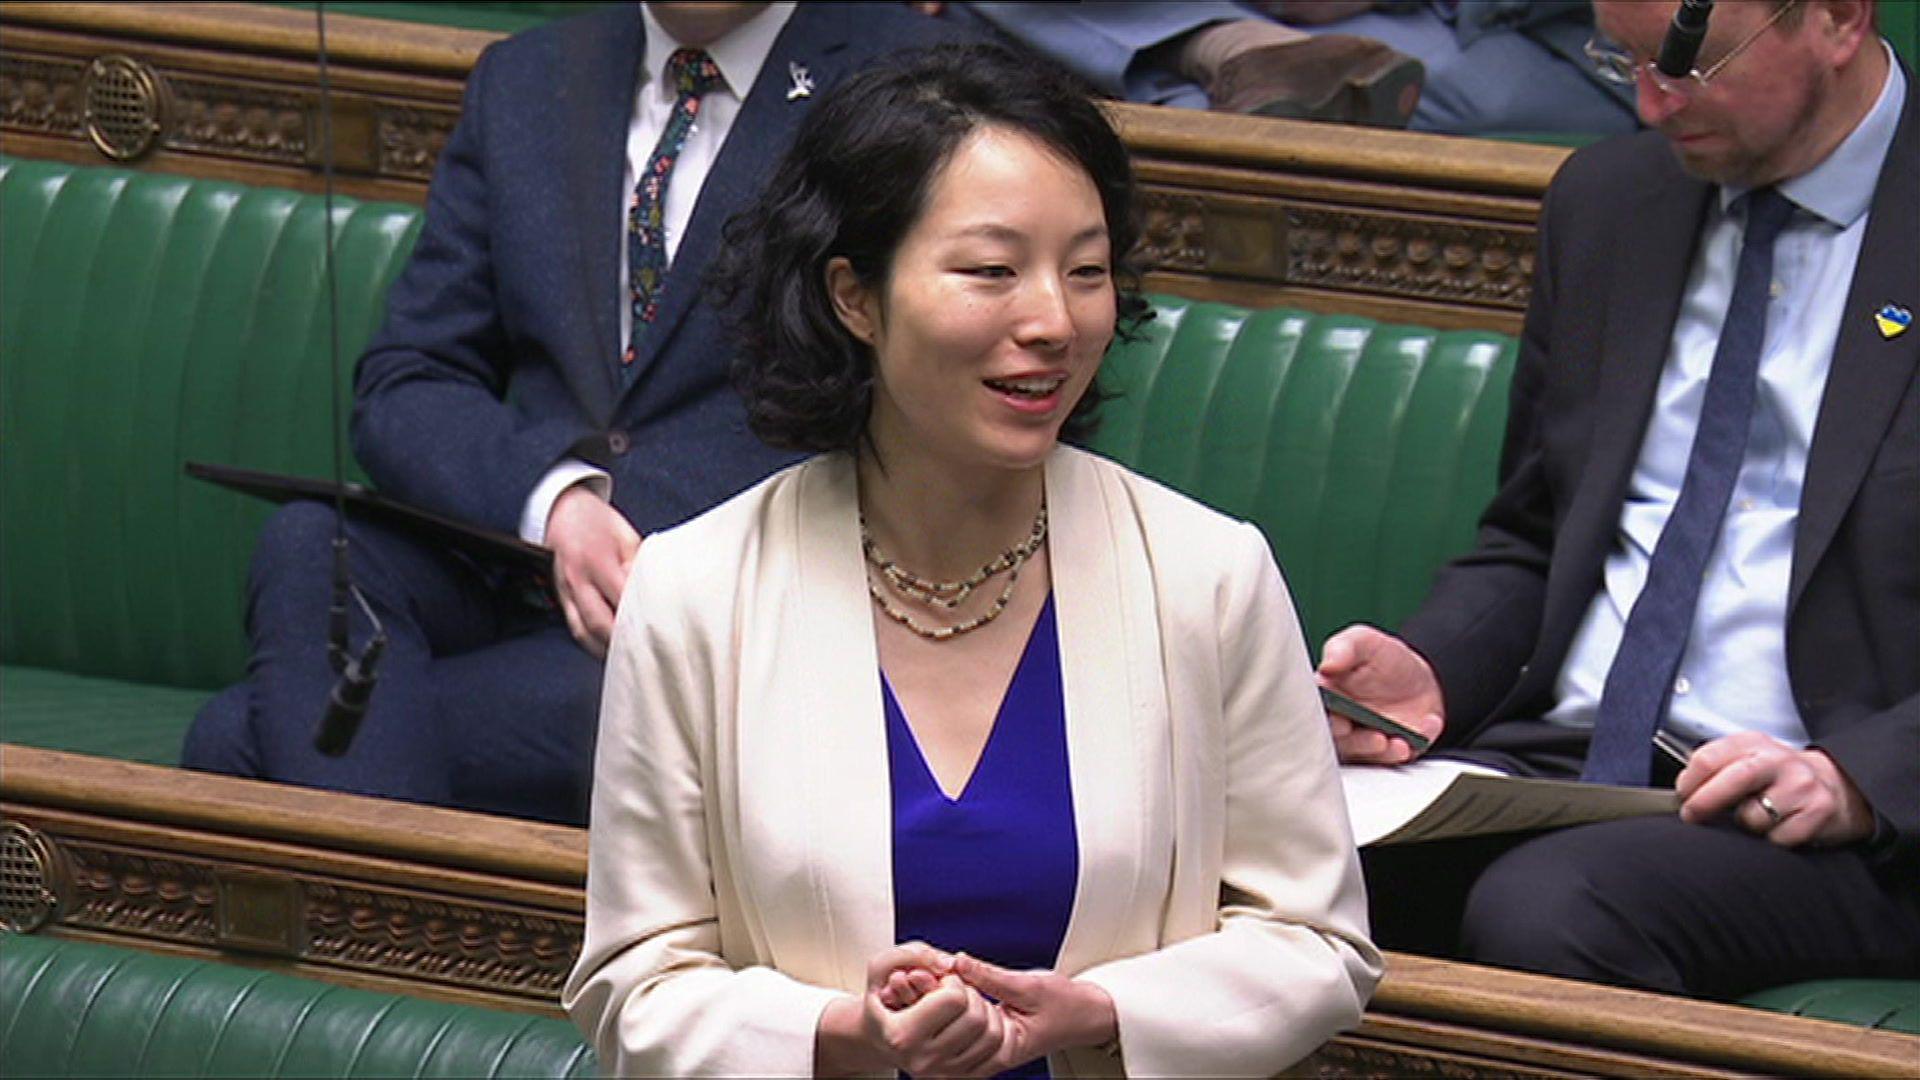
x: 1044, y: 318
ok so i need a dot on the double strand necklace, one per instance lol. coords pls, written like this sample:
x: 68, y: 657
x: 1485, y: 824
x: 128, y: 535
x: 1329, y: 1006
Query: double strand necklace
x: 948, y: 594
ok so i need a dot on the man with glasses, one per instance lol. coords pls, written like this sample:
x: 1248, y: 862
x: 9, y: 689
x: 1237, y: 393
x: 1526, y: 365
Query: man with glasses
x: 1707, y: 536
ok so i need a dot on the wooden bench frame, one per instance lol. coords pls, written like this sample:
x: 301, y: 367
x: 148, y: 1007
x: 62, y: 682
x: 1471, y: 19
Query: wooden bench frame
x: 1415, y: 228
x: 486, y: 910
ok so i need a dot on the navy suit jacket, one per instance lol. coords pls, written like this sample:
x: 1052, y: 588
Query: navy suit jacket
x: 1617, y: 239
x: 499, y: 353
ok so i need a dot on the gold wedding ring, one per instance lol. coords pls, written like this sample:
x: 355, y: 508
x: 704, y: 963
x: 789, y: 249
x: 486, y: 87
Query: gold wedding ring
x: 1773, y: 812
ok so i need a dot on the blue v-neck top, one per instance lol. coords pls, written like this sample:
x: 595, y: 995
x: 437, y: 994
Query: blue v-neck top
x: 992, y: 873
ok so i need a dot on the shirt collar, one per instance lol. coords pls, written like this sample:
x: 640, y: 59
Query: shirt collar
x: 739, y: 54
x: 1840, y: 188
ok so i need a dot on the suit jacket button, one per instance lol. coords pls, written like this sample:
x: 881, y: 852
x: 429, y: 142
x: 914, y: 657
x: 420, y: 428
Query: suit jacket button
x: 619, y: 443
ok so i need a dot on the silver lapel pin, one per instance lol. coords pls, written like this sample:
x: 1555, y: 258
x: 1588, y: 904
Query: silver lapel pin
x: 802, y: 86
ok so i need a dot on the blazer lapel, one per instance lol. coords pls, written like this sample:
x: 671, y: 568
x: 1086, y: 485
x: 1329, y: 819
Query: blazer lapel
x: 813, y: 37
x: 1631, y: 353
x: 595, y: 98
x: 820, y: 807
x: 1870, y: 374
x: 829, y: 695
x: 1111, y: 672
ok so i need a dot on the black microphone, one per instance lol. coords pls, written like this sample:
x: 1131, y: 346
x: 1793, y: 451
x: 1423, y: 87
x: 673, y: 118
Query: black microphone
x: 347, y: 703
x: 1681, y: 47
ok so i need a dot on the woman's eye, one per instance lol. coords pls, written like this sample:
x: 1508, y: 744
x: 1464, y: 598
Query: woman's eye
x: 1090, y: 272
x: 994, y: 271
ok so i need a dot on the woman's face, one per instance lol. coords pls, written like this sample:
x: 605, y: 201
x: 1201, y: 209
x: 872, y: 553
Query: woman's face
x: 998, y: 309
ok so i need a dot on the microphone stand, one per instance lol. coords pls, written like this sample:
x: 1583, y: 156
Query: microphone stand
x: 355, y: 675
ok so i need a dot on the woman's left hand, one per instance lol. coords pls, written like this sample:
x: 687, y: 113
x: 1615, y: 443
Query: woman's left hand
x: 1045, y: 1011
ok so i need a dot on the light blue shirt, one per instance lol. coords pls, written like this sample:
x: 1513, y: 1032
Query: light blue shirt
x: 1733, y: 675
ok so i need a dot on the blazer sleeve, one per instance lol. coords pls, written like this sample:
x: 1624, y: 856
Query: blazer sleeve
x: 1289, y: 963
x: 1876, y: 751
x: 431, y: 420
x: 651, y: 989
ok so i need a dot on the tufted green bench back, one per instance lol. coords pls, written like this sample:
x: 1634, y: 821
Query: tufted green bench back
x: 1365, y: 451
x: 70, y: 1008
x: 146, y: 320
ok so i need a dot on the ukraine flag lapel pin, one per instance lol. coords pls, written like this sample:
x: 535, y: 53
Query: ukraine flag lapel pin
x: 1893, y: 321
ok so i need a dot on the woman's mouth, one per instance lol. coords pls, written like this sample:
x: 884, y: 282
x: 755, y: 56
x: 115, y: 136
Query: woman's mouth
x: 1031, y: 388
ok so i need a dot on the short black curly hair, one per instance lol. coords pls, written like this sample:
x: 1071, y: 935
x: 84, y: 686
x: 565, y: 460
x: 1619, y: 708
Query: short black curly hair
x: 853, y: 184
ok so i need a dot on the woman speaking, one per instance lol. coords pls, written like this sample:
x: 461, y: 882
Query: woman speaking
x: 954, y: 750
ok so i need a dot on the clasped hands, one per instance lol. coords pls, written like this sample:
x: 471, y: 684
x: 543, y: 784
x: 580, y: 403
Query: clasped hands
x: 1789, y: 795
x: 931, y: 1013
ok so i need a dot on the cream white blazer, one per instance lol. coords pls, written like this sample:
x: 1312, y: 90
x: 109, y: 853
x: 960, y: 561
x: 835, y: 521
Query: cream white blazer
x: 740, y: 873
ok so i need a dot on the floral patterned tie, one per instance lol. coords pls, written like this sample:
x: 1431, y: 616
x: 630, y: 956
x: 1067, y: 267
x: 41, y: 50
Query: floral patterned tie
x: 692, y: 73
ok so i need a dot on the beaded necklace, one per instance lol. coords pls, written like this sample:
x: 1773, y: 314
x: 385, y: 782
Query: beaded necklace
x: 948, y: 594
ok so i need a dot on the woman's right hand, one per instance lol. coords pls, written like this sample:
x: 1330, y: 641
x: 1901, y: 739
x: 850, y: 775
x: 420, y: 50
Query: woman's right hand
x: 927, y: 1020
x: 915, y: 1016
x: 952, y: 1031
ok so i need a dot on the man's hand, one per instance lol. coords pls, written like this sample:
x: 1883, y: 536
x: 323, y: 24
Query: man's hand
x: 1791, y: 797
x: 1383, y: 673
x: 593, y: 548
x: 1045, y: 1011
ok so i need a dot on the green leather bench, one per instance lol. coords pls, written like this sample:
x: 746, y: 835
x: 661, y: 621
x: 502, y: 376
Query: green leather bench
x: 72, y: 1008
x: 149, y: 319
x: 1365, y: 451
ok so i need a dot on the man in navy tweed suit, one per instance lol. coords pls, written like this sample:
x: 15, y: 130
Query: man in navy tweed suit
x: 509, y: 388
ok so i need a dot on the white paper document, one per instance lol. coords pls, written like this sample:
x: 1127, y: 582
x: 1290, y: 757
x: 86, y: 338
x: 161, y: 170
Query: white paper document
x: 1434, y: 799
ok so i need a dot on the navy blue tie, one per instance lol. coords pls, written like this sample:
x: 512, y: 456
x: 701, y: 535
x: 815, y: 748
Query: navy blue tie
x: 1639, y: 684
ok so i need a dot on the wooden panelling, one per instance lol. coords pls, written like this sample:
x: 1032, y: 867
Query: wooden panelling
x: 241, y: 97
x: 367, y: 891
x: 471, y: 908
x: 1417, y: 228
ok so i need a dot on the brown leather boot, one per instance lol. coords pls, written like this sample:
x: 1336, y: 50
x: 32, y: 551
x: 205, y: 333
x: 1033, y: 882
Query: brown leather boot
x: 1338, y: 77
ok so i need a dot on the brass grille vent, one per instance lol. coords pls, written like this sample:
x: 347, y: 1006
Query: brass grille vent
x: 28, y: 894
x: 126, y: 106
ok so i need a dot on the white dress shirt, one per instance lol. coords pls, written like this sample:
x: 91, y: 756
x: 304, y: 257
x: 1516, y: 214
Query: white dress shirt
x: 739, y: 54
